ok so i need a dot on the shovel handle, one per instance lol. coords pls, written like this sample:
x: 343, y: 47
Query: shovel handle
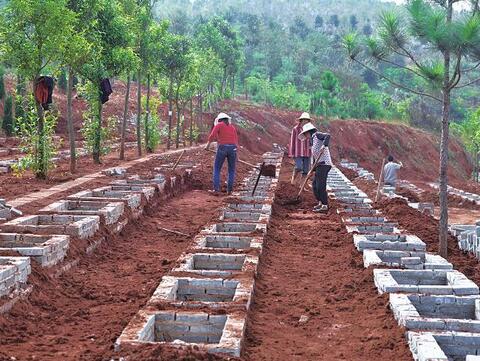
x: 239, y: 160
x: 310, y: 172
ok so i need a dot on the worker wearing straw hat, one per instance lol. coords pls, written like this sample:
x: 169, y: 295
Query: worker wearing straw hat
x: 226, y: 136
x: 323, y: 162
x: 299, y: 149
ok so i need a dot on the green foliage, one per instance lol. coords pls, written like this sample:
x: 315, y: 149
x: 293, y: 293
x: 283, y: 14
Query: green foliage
x: 97, y: 135
x: 8, y: 124
x: 62, y: 80
x: 153, y: 122
x: 469, y: 131
x: 38, y: 147
x: 2, y: 83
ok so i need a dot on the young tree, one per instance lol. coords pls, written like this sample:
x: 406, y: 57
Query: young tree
x: 34, y: 35
x: 334, y: 20
x: 112, y: 54
x: 330, y: 87
x: 353, y: 22
x: 318, y: 22
x: 2, y: 84
x: 451, y: 42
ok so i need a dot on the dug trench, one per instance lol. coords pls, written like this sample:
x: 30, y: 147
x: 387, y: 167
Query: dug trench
x: 313, y: 298
x: 79, y: 315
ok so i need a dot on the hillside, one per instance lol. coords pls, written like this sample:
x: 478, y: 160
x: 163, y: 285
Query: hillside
x: 366, y: 142
x: 308, y: 10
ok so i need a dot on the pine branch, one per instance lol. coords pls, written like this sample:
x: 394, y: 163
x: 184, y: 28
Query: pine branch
x: 471, y: 69
x: 457, y: 75
x: 393, y: 82
x: 468, y: 84
x: 405, y: 68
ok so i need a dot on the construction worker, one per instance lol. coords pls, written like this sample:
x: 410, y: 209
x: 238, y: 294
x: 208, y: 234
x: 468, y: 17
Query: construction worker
x: 390, y: 172
x: 321, y: 161
x: 299, y: 149
x: 227, y: 139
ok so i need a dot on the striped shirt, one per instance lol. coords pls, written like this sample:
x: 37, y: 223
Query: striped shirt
x: 298, y: 148
x: 320, y: 140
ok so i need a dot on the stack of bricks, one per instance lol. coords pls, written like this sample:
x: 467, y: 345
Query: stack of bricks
x: 439, y: 306
x: 216, y: 274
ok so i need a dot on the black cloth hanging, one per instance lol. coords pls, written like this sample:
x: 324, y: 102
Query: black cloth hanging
x: 106, y: 90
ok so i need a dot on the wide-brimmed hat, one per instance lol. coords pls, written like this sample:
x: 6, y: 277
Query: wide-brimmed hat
x: 304, y: 116
x: 222, y: 116
x: 308, y: 127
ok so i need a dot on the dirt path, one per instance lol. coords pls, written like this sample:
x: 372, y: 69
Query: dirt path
x: 310, y: 270
x: 79, y: 315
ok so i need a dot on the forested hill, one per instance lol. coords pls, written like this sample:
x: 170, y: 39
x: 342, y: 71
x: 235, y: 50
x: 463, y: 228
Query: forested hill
x: 283, y: 11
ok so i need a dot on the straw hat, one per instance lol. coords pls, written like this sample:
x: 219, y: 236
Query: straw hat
x: 304, y: 116
x: 305, y: 129
x: 222, y: 116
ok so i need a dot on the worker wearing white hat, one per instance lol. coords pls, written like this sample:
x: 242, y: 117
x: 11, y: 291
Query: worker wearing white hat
x: 227, y: 138
x: 299, y: 149
x: 322, y: 162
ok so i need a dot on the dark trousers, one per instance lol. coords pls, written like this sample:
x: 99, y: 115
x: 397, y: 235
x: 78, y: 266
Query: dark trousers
x: 228, y: 152
x: 320, y: 183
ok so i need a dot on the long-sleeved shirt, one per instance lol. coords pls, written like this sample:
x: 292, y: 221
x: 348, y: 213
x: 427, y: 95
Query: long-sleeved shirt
x: 224, y: 134
x: 298, y: 147
x: 390, y: 172
x: 321, y: 140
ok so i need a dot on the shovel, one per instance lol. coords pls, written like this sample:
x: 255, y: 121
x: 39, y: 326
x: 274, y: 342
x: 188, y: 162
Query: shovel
x: 297, y: 199
x: 268, y: 170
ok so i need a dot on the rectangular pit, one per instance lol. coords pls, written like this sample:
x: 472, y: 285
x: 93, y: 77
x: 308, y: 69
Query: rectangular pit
x: 387, y: 227
x: 14, y: 273
x: 217, y: 264
x: 439, y: 313
x: 394, y: 242
x: 46, y: 250
x: 109, y: 212
x: 146, y: 191
x: 444, y: 346
x: 76, y: 226
x: 133, y: 200
x: 404, y: 259
x: 208, y: 332
x: 196, y: 292
x: 230, y: 216
x: 236, y: 228
x: 437, y: 282
x: 251, y: 207
x: 228, y: 242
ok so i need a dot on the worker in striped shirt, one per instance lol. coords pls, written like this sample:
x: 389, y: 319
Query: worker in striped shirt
x: 299, y: 149
x: 322, y: 162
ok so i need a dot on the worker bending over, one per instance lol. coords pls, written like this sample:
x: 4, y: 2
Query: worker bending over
x: 322, y: 163
x: 390, y: 172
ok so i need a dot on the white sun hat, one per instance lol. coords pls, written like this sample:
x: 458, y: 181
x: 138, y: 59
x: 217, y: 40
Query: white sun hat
x: 222, y: 116
x: 304, y: 116
x: 305, y: 129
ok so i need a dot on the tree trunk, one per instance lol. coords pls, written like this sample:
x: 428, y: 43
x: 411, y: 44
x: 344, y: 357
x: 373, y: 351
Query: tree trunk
x: 201, y: 109
x: 71, y: 130
x: 191, y: 121
x: 124, y: 122
x: 42, y: 166
x: 183, y: 124
x: 170, y: 114
x: 139, y: 113
x: 147, y: 118
x: 98, y: 135
x: 476, y: 164
x: 177, y: 136
x: 443, y: 224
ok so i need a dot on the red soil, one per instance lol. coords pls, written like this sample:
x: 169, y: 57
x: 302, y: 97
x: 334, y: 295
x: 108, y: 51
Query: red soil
x: 78, y: 315
x: 310, y: 268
